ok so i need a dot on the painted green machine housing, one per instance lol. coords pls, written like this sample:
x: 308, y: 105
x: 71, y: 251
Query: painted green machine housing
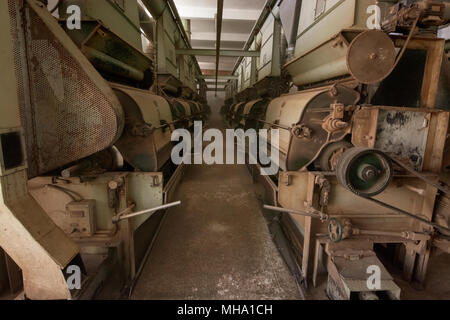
x: 168, y: 39
x: 122, y: 20
x: 35, y: 237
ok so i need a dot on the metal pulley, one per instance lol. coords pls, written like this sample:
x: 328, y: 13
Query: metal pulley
x: 365, y: 172
x: 368, y: 172
x: 371, y: 57
x: 335, y: 230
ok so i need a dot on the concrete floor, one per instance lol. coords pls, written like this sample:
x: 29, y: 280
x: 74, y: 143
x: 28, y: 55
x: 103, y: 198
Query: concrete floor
x: 437, y: 285
x: 216, y: 245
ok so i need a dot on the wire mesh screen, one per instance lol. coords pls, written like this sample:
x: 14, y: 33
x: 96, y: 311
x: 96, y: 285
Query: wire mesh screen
x: 65, y: 114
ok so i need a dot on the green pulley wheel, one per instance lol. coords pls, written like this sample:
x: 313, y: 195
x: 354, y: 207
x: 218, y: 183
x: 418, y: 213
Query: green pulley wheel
x: 366, y: 172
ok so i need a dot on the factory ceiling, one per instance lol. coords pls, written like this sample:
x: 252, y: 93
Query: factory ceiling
x: 239, y: 18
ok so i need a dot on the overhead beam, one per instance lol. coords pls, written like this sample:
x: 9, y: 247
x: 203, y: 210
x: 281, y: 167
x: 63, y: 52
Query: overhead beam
x: 216, y: 90
x: 197, y: 12
x: 219, y: 77
x: 219, y: 37
x: 213, y: 52
x: 224, y: 67
x: 226, y: 36
x: 222, y: 82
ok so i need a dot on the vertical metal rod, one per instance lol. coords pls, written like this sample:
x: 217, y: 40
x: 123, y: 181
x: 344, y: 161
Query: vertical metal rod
x: 219, y: 37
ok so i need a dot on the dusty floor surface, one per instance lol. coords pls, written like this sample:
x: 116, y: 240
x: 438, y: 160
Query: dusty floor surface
x: 216, y: 245
x: 437, y: 286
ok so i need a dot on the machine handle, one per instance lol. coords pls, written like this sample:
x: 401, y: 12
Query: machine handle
x: 125, y: 215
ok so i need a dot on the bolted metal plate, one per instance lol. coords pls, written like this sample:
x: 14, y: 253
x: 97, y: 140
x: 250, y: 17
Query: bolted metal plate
x: 371, y: 57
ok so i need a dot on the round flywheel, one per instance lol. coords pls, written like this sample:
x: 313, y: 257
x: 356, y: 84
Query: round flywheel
x: 371, y: 56
x: 365, y: 172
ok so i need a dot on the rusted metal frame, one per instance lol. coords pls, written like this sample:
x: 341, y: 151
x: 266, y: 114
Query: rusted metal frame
x: 435, y: 49
x: 91, y: 35
x: 275, y: 125
x: 169, y: 124
x: 432, y: 163
x: 173, y: 182
x: 312, y: 213
x: 307, y: 235
x: 319, y: 242
x: 219, y: 37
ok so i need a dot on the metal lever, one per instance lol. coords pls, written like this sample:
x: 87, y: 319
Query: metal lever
x: 126, y: 215
x: 312, y: 213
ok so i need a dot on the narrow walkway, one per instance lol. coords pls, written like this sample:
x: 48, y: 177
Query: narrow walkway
x: 217, y: 244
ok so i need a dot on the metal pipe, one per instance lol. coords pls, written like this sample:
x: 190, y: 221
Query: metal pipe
x: 187, y: 28
x: 275, y: 125
x: 213, y: 52
x: 216, y: 89
x: 71, y: 171
x: 219, y: 37
x: 220, y: 77
x: 153, y: 210
x: 315, y: 214
x: 220, y: 82
x: 156, y: 8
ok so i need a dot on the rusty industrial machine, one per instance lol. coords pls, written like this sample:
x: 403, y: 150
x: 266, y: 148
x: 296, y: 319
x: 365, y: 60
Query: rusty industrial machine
x: 362, y: 108
x: 86, y: 137
x: 358, y: 89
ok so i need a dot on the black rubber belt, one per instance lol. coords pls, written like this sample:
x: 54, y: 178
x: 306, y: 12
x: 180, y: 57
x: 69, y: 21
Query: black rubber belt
x: 400, y: 211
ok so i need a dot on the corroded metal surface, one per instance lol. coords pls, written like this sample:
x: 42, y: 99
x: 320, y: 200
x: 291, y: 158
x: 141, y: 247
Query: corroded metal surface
x: 68, y: 112
x: 371, y: 56
x: 146, y: 142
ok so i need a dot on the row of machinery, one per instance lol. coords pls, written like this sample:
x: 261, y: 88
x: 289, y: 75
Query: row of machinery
x: 359, y: 91
x: 91, y: 98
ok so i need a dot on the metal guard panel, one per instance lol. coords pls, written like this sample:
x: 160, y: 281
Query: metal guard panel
x: 153, y: 108
x: 71, y: 111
